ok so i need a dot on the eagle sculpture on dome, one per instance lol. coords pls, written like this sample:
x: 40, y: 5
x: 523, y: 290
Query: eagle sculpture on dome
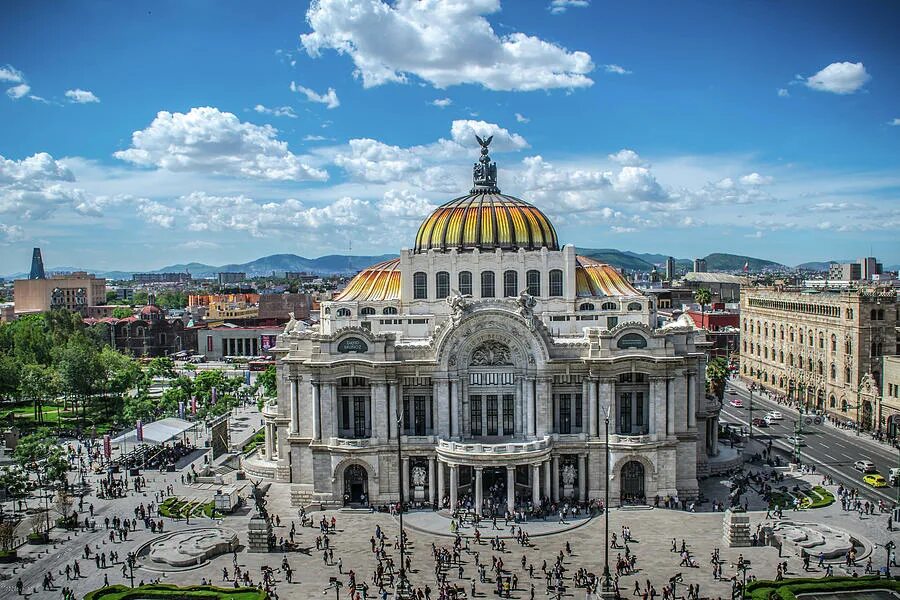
x: 484, y: 173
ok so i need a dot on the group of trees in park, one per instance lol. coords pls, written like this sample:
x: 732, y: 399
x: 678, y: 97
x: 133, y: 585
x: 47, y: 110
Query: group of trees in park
x: 164, y: 299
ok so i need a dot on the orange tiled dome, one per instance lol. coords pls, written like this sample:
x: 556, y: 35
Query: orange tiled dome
x: 486, y: 220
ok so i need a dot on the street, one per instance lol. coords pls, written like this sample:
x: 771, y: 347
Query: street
x: 833, y: 451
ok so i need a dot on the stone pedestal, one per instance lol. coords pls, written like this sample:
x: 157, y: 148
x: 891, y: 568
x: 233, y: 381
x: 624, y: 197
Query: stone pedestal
x: 736, y: 529
x: 568, y: 491
x: 419, y: 493
x: 259, y: 530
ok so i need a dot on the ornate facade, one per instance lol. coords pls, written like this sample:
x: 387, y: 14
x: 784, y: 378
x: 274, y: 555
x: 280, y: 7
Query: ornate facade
x: 494, y: 354
x: 824, y: 348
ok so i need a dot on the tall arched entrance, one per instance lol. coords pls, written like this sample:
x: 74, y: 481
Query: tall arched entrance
x: 356, y: 485
x: 632, y: 482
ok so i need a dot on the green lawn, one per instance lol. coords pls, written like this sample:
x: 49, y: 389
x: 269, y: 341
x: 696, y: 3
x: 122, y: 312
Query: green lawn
x: 789, y: 588
x: 21, y: 415
x: 177, y: 508
x: 173, y: 592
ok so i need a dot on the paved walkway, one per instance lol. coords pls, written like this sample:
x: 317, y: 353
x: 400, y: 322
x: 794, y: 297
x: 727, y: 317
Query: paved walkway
x: 438, y: 524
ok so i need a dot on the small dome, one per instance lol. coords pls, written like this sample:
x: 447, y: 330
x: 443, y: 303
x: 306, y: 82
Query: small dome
x: 151, y: 311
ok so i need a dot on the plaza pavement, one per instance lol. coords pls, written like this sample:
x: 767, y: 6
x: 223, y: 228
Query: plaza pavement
x: 652, y: 529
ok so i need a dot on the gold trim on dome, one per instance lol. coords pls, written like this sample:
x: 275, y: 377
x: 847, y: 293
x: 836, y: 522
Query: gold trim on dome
x: 377, y: 283
x: 594, y: 278
x: 486, y: 221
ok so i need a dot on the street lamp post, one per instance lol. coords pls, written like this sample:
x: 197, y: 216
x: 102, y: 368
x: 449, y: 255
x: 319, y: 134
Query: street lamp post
x: 402, y: 583
x: 607, y: 578
x: 887, y: 562
x: 750, y: 407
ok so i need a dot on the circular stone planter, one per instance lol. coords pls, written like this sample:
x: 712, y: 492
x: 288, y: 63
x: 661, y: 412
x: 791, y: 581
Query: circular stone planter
x: 8, y: 556
x: 38, y: 539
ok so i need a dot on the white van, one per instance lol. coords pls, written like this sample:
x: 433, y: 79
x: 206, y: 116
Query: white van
x: 894, y: 476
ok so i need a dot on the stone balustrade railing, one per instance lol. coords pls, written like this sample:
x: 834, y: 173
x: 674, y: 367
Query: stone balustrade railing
x: 615, y: 438
x: 349, y: 442
x: 494, y: 449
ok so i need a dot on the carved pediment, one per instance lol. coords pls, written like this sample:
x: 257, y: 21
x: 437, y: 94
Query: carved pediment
x: 491, y: 353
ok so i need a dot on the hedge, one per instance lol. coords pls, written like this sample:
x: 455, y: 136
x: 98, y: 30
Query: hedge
x: 175, y: 508
x: 787, y: 589
x: 172, y: 592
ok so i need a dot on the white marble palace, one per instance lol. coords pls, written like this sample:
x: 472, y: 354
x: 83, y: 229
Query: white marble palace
x: 495, y: 355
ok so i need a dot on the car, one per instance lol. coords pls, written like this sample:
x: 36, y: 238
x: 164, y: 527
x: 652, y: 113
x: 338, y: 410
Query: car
x: 865, y: 466
x: 875, y: 480
x: 760, y: 423
x: 795, y: 441
x: 894, y: 476
x: 737, y: 403
x: 774, y: 415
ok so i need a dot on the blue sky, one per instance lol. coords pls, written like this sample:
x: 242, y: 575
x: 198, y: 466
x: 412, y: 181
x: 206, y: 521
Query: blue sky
x: 142, y: 134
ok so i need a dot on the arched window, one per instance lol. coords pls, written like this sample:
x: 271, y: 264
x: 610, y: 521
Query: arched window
x: 586, y: 306
x: 533, y: 282
x: 811, y: 340
x: 556, y: 282
x: 752, y: 328
x: 442, y: 284
x: 343, y: 312
x: 766, y: 329
x: 608, y: 306
x: 389, y: 310
x: 766, y: 353
x: 801, y: 336
x: 745, y: 345
x: 366, y: 311
x: 510, y: 284
x: 809, y: 365
x: 420, y: 286
x: 791, y: 335
x: 846, y: 374
x: 781, y: 356
x: 791, y: 359
x: 848, y: 346
x: 781, y: 331
x: 874, y: 314
x: 821, y: 341
x: 820, y: 368
x: 833, y: 372
x: 881, y: 314
x: 487, y: 284
x: 634, y: 306
x: 832, y: 402
x: 465, y: 283
x: 833, y: 343
x: 327, y: 311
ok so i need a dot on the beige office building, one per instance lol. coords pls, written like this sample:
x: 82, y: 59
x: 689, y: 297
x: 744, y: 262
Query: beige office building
x: 823, y: 347
x: 890, y: 396
x: 74, y: 291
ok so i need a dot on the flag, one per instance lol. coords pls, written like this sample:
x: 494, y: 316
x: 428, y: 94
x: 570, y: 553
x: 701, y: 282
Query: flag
x: 213, y: 396
x: 107, y: 446
x: 193, y: 405
x: 139, y: 430
x: 181, y: 409
x: 247, y: 377
x: 747, y: 267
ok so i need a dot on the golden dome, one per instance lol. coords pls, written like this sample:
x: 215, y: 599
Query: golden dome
x: 486, y: 220
x: 376, y: 283
x: 594, y: 278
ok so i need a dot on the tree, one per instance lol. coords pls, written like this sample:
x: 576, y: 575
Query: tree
x: 120, y: 374
x: 39, y: 453
x: 716, y: 376
x: 79, y: 370
x: 268, y: 380
x: 38, y: 383
x: 139, y: 406
x: 161, y: 366
x: 15, y: 480
x: 703, y: 297
x: 122, y: 313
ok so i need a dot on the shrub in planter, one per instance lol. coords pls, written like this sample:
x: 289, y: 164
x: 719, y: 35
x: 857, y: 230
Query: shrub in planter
x: 8, y: 556
x: 38, y: 538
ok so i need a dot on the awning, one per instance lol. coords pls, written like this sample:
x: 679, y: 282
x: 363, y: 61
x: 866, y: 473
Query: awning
x: 158, y: 432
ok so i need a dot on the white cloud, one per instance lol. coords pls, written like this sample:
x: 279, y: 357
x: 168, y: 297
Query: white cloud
x: 463, y: 132
x: 10, y: 74
x: 443, y: 43
x: 895, y: 122
x: 755, y: 235
x: 79, y: 96
x: 621, y: 229
x: 521, y: 118
x: 627, y: 158
x: 783, y: 93
x: 199, y: 245
x: 329, y: 98
x: 11, y: 233
x: 616, y: 69
x: 557, y: 7
x: 756, y: 179
x: 209, y: 140
x: 157, y: 213
x: 276, y: 111
x: 442, y: 102
x: 35, y: 187
x: 839, y: 78
x: 314, y: 138
x: 18, y: 91
x: 835, y: 207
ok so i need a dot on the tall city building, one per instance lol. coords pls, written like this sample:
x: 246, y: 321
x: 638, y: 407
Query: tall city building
x: 823, y: 348
x: 670, y: 269
x: 226, y: 277
x: 862, y: 270
x: 699, y: 265
x: 501, y: 351
x: 37, y: 265
x: 74, y: 291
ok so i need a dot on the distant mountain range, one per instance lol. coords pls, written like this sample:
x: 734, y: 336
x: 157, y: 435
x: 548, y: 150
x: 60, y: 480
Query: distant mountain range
x: 344, y: 264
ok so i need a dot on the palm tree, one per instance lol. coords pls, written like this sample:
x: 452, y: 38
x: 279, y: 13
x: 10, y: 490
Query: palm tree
x: 702, y: 296
x: 716, y: 375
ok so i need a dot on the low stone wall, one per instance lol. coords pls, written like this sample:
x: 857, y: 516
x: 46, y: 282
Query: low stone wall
x: 255, y: 466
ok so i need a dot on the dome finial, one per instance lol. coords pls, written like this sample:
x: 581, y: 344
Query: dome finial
x: 484, y: 172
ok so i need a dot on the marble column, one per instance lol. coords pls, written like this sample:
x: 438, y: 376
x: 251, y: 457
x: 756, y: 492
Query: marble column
x: 582, y: 477
x: 454, y: 481
x: 692, y: 400
x: 528, y: 399
x: 270, y: 442
x: 432, y: 488
x: 592, y: 406
x: 585, y: 404
x: 547, y: 479
x: 536, y: 484
x: 295, y: 405
x: 519, y: 407
x: 543, y: 418
x: 670, y: 415
x: 554, y: 475
x: 440, y: 482
x: 392, y: 410
x: 511, y: 489
x: 332, y: 404
x: 657, y: 404
x: 453, y: 407
x: 404, y: 472
x: 380, y: 416
x: 479, y: 499
x: 442, y: 398
x: 316, y: 410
